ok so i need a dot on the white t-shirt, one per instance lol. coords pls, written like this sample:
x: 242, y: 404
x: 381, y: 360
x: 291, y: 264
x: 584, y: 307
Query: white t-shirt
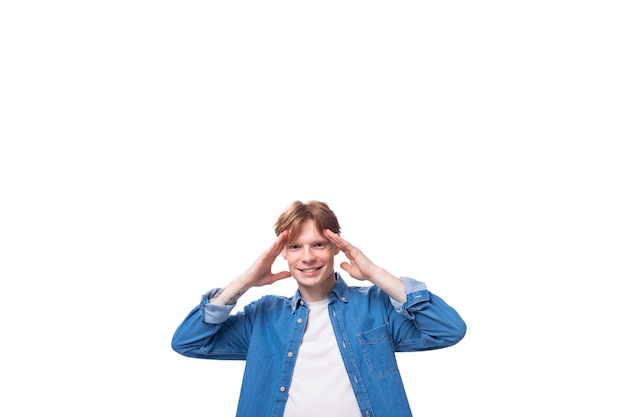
x: 320, y: 385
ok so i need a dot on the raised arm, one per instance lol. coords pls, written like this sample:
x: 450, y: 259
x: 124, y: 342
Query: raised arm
x: 361, y: 268
x: 257, y: 275
x: 199, y: 334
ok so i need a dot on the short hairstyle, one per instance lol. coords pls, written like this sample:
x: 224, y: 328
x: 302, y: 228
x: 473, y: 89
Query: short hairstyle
x: 298, y: 212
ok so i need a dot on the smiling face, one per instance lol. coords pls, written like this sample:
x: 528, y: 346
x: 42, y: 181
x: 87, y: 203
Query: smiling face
x: 311, y: 260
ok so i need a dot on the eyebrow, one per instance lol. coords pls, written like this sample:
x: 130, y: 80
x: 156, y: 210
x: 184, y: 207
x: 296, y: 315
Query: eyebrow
x: 315, y: 242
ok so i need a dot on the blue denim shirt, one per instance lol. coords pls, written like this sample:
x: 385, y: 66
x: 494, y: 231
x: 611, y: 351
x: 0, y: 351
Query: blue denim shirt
x: 369, y: 326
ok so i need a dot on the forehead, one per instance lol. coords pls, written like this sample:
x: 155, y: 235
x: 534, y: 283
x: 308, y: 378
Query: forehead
x: 308, y: 232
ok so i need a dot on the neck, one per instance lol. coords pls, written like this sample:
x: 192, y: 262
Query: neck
x: 317, y: 293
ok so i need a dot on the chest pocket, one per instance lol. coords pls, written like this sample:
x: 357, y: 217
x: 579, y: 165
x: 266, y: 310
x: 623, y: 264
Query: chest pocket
x: 378, y: 351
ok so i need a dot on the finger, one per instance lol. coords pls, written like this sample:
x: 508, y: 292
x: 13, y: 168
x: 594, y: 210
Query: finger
x: 335, y: 238
x: 346, y: 267
x: 282, y: 275
x: 271, y: 253
x: 277, y: 246
x: 283, y: 235
x: 330, y: 234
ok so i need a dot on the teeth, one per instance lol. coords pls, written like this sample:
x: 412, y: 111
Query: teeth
x: 309, y: 270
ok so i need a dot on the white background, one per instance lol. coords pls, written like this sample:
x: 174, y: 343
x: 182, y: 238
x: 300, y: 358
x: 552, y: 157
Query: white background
x: 147, y: 148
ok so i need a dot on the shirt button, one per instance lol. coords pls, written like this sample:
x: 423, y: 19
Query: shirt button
x: 301, y: 302
x: 290, y: 354
x: 299, y: 321
x: 282, y: 389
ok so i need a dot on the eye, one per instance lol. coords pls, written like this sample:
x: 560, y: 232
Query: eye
x: 293, y: 247
x: 320, y: 245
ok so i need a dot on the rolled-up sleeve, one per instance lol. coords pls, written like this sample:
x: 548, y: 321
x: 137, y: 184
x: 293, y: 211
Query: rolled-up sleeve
x: 214, y: 313
x: 435, y: 324
x: 416, y: 293
x: 198, y: 335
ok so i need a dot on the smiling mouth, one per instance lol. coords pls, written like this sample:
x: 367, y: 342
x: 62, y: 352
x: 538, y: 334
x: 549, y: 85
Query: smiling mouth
x: 309, y: 270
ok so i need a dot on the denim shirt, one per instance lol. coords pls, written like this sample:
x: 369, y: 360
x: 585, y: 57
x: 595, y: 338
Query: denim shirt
x: 369, y: 326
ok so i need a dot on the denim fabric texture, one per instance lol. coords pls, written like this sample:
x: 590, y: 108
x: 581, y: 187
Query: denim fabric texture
x: 369, y: 326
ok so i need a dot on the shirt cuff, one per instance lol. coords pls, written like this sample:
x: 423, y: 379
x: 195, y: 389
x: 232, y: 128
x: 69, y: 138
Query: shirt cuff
x: 214, y: 313
x: 416, y: 293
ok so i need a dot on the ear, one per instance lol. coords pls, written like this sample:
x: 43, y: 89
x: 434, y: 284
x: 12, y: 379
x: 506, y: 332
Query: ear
x: 337, y: 250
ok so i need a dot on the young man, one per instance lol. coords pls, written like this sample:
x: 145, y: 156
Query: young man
x: 329, y: 350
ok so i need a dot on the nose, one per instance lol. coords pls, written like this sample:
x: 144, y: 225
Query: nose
x: 308, y: 255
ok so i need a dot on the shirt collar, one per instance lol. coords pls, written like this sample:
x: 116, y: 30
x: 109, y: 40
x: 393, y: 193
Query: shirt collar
x: 338, y: 292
